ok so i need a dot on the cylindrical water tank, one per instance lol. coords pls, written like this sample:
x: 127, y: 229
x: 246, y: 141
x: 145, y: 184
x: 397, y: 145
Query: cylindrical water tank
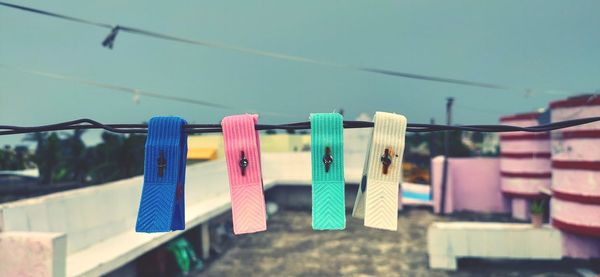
x: 575, y: 205
x: 525, y: 165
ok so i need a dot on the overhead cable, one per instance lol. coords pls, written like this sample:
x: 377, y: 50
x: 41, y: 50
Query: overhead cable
x: 136, y: 92
x: 215, y: 128
x: 115, y: 29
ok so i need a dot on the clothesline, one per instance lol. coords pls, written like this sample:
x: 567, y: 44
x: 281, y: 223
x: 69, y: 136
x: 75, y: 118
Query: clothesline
x: 162, y: 205
x: 137, y: 93
x: 115, y: 29
x: 216, y: 128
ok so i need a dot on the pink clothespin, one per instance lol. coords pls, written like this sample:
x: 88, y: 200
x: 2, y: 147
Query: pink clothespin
x: 242, y: 152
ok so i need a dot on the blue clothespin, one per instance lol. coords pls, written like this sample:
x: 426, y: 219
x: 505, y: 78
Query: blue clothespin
x: 162, y: 207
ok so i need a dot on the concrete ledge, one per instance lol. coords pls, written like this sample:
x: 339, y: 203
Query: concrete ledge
x: 107, y: 255
x: 447, y: 241
x: 99, y: 221
x: 117, y: 251
x: 32, y: 254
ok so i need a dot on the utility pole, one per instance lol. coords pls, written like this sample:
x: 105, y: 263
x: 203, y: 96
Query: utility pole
x: 432, y: 151
x: 449, y: 102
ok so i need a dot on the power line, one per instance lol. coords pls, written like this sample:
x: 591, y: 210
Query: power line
x: 215, y: 128
x: 138, y: 92
x: 115, y: 29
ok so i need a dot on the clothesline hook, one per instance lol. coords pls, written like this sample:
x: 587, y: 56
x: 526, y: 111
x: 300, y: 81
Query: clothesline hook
x: 162, y: 163
x: 386, y: 160
x: 243, y: 163
x: 327, y: 159
x: 110, y: 38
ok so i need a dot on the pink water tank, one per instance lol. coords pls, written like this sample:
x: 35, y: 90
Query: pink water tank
x: 525, y: 165
x: 575, y: 204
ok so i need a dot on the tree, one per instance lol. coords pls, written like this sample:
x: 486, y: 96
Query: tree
x: 46, y: 155
x: 105, y: 158
x: 117, y: 157
x: 68, y: 159
x: 50, y: 158
x: 6, y: 158
x: 75, y: 159
x: 22, y: 157
x: 456, y: 147
x: 41, y: 140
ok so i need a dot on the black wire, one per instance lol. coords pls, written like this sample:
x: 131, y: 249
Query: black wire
x: 85, y: 123
x: 114, y: 29
x: 66, y: 17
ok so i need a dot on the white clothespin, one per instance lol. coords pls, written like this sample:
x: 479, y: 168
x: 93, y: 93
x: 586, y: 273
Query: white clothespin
x: 377, y: 198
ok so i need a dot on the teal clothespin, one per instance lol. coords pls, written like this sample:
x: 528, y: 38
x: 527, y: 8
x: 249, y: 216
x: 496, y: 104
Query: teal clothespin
x: 327, y: 144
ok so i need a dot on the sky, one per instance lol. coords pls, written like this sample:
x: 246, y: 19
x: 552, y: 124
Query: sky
x: 540, y: 44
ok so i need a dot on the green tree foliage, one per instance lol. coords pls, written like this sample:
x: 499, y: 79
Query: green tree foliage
x: 435, y: 143
x: 75, y: 156
x: 17, y: 158
x: 117, y: 157
x: 456, y: 148
x: 46, y: 155
x: 65, y: 157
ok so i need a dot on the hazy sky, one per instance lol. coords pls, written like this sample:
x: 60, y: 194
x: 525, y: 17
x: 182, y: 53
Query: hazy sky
x: 540, y: 44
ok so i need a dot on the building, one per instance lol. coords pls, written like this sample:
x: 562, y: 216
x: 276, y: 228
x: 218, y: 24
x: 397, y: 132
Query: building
x: 210, y: 147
